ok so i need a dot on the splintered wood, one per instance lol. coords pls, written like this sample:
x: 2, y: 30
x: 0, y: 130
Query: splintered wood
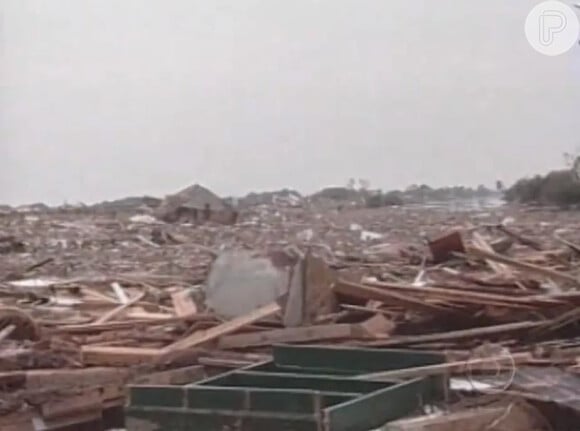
x: 225, y: 328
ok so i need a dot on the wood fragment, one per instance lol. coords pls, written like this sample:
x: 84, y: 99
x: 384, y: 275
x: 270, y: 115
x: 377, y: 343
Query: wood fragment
x: 372, y: 328
x: 112, y: 326
x: 523, y: 266
x: 201, y: 337
x: 85, y: 401
x: 460, y: 334
x: 178, y: 376
x: 121, y: 295
x: 183, y: 303
x: 118, y: 356
x: 522, y: 240
x: 6, y: 332
x: 443, y: 247
x: 71, y: 378
x: 449, y: 367
x: 361, y: 291
x: 126, y: 304
x: 498, y: 268
x: 223, y: 363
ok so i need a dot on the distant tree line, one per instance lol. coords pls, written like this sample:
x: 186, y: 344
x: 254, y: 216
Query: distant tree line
x: 560, y: 188
x: 424, y: 193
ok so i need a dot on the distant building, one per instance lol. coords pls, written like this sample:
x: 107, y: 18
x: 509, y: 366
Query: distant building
x: 196, y: 204
x: 33, y: 208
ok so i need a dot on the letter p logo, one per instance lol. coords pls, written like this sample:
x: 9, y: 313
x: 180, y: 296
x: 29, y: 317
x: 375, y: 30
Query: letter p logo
x: 552, y: 28
x: 551, y: 22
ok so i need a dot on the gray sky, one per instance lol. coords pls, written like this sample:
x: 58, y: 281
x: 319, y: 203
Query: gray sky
x: 106, y: 98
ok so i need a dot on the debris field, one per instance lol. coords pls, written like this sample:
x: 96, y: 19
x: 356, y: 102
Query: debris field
x: 93, y: 302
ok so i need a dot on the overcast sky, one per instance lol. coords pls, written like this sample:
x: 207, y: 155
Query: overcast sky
x: 108, y: 98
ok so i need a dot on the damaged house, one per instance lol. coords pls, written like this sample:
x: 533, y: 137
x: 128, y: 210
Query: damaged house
x: 196, y: 204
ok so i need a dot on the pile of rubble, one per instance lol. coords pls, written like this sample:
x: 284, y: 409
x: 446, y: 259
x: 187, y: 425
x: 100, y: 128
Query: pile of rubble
x: 92, y: 303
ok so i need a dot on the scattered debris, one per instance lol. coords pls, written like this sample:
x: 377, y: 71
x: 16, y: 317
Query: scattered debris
x: 443, y: 247
x: 97, y: 301
x: 9, y: 244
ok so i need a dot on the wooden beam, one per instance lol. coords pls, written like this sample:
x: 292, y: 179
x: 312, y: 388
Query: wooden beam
x: 129, y: 324
x: 202, y: 337
x: 449, y: 367
x: 498, y: 268
x: 94, y: 376
x: 179, y: 376
x: 118, y: 356
x: 459, y: 335
x: 125, y: 303
x: 376, y: 326
x: 523, y: 266
x: 84, y: 402
x: 361, y: 291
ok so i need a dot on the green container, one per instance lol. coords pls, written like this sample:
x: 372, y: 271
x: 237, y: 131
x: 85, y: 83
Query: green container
x: 305, y: 388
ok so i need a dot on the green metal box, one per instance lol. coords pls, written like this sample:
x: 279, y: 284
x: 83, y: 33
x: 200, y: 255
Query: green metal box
x: 306, y: 388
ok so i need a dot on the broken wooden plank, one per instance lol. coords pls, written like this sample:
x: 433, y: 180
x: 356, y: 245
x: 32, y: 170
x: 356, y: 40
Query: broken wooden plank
x: 460, y: 334
x: 112, y: 326
x: 231, y: 364
x: 509, y: 414
x: 179, y: 376
x: 118, y: 356
x: 522, y: 240
x: 508, y: 361
x: 361, y: 291
x: 498, y: 268
x: 317, y: 282
x: 571, y: 245
x: 523, y: 266
x: 201, y: 337
x: 140, y: 314
x: 66, y: 406
x: 183, y: 303
x: 7, y: 331
x: 444, y: 247
x: 470, y: 296
x: 119, y: 292
x: 126, y: 303
x: 94, y: 376
x: 374, y: 327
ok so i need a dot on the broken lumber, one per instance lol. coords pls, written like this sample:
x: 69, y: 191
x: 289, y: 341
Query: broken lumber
x: 183, y: 303
x: 460, y: 334
x: 498, y: 268
x: 450, y: 367
x: 522, y: 266
x: 444, y: 247
x: 125, y: 303
x: 509, y: 414
x: 522, y: 240
x: 372, y: 328
x: 178, y: 376
x: 361, y: 291
x: 70, y: 378
x: 118, y: 356
x: 201, y: 337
